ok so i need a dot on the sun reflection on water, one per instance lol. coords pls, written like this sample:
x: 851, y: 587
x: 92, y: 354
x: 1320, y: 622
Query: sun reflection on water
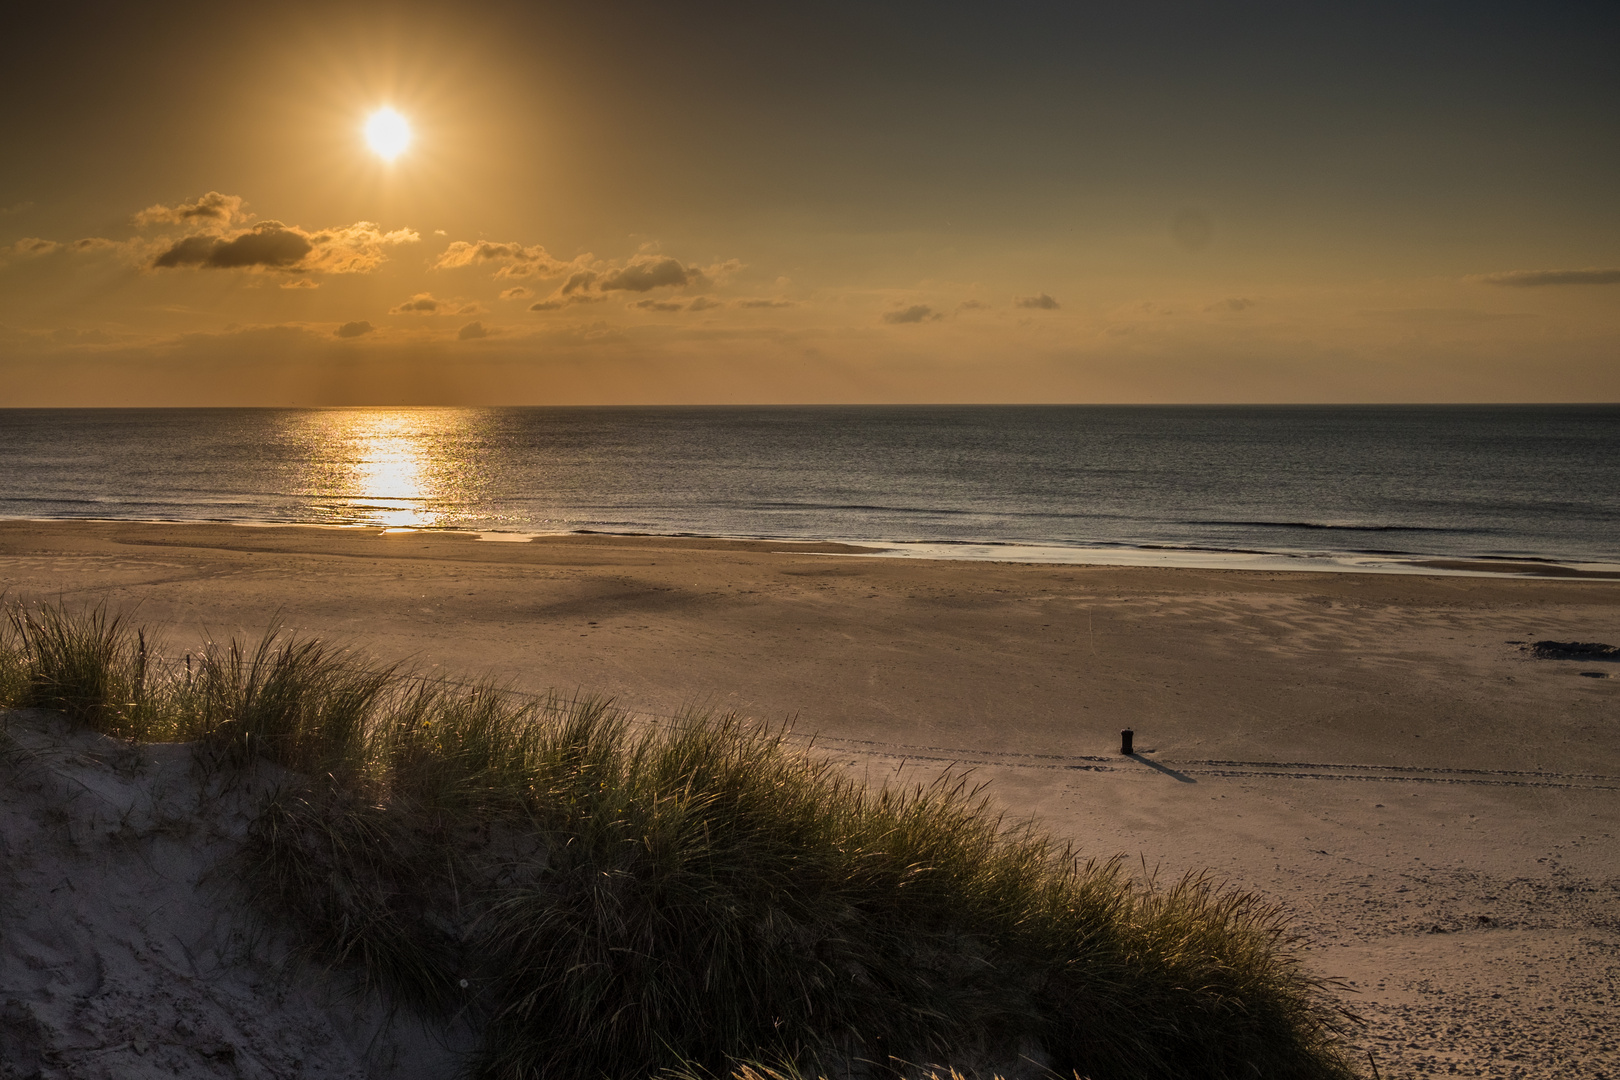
x: 395, y: 468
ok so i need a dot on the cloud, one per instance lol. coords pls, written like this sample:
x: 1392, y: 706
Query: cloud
x: 471, y: 332
x: 647, y: 272
x: 1040, y: 303
x: 1525, y: 279
x: 642, y: 273
x: 700, y: 303
x: 270, y: 245
x: 972, y: 305
x: 513, y: 260
x: 354, y: 329
x: 559, y: 301
x: 1232, y: 303
x: 33, y: 247
x: 210, y: 209
x: 581, y: 280
x: 517, y: 292
x: 301, y: 283
x: 916, y: 313
x: 427, y: 304
x: 764, y: 302
x: 420, y: 304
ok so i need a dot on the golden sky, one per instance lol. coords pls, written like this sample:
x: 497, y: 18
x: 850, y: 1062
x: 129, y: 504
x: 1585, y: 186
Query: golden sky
x: 841, y: 202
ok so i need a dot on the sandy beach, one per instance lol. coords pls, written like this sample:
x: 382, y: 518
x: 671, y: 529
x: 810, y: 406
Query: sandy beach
x: 1381, y: 753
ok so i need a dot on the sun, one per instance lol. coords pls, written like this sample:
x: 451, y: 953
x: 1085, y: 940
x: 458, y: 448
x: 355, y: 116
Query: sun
x: 387, y: 133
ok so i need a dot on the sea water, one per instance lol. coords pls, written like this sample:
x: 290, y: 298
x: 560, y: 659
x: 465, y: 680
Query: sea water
x: 1293, y: 485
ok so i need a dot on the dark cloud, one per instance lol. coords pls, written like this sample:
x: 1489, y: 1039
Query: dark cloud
x: 1192, y: 230
x: 643, y: 274
x: 546, y: 305
x: 703, y: 303
x: 1232, y: 303
x: 916, y: 313
x: 581, y: 280
x: 971, y: 305
x: 212, y: 208
x: 471, y: 332
x: 1532, y: 278
x: 354, y: 329
x: 1039, y: 303
x: 270, y: 245
x: 764, y: 302
x: 659, y: 305
x: 516, y: 292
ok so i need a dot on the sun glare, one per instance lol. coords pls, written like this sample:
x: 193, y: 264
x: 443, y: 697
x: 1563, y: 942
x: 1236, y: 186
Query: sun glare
x: 387, y: 133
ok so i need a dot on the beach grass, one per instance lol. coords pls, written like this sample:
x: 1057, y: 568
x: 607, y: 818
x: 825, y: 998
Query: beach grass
x: 600, y: 896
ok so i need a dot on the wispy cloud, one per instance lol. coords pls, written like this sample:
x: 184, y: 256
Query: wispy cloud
x: 354, y: 329
x: 427, y: 304
x: 1038, y: 303
x: 1232, y: 303
x: 32, y: 247
x: 513, y: 260
x: 916, y: 313
x: 1526, y: 279
x: 698, y: 303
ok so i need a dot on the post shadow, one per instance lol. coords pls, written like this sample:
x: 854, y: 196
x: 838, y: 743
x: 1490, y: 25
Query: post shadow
x: 1173, y: 774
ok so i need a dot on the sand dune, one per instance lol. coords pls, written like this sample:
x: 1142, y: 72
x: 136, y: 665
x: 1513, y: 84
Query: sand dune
x: 1385, y: 754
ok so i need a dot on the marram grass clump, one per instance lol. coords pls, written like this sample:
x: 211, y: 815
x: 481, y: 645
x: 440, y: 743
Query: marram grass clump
x: 605, y: 898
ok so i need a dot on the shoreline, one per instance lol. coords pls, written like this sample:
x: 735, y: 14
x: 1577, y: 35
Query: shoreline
x: 1356, y: 747
x: 1011, y: 551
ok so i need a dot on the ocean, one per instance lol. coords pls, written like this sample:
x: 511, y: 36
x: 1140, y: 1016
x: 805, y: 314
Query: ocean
x: 1298, y: 487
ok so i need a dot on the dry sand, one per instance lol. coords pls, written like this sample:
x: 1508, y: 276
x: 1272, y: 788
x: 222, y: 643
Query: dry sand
x: 1437, y: 808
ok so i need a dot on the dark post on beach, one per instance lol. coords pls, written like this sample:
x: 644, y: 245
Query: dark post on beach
x: 1125, y: 740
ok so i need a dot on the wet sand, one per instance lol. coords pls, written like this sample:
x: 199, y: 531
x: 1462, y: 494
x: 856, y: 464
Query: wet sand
x: 1381, y: 753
